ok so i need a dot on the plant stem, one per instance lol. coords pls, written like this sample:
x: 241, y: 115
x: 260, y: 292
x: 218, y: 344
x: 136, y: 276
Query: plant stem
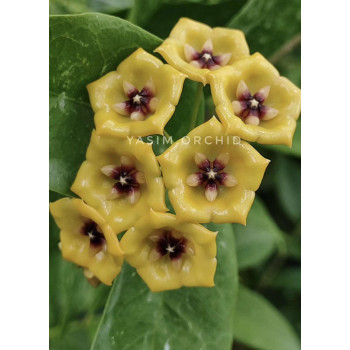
x: 197, y: 103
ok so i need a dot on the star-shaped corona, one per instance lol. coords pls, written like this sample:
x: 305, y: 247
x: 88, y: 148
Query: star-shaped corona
x: 87, y: 240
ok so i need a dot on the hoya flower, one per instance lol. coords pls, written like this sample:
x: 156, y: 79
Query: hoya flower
x: 138, y: 98
x: 168, y: 254
x: 196, y: 49
x: 87, y: 240
x: 254, y: 102
x: 121, y: 179
x: 212, y: 177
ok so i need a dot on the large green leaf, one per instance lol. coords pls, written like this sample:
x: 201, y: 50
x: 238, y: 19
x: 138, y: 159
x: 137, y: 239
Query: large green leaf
x: 295, y: 150
x: 187, y: 318
x: 268, y: 24
x: 77, y: 335
x: 143, y: 10
x: 289, y: 278
x: 58, y: 7
x: 190, y: 107
x: 82, y: 49
x: 259, y: 239
x: 71, y: 297
x: 213, y: 15
x: 288, y: 183
x: 260, y: 325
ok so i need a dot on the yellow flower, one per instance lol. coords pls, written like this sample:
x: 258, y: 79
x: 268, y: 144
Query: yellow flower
x: 121, y: 179
x: 137, y: 99
x: 168, y: 254
x: 254, y: 102
x: 211, y: 177
x: 87, y: 240
x: 196, y: 49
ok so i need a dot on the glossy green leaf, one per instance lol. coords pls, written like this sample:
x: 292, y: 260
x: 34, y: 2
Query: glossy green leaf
x: 289, y: 279
x: 293, y: 245
x: 288, y: 184
x: 58, y: 7
x: 71, y: 297
x: 259, y: 239
x: 189, y: 109
x: 78, y: 335
x: 143, y: 10
x: 212, y: 14
x: 289, y: 65
x: 82, y: 49
x: 295, y: 150
x: 268, y: 25
x: 260, y: 325
x: 187, y: 318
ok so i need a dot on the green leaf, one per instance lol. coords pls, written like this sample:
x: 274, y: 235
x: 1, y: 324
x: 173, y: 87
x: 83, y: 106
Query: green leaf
x: 82, y: 49
x: 214, y: 15
x: 71, y: 297
x: 295, y: 150
x: 143, y: 10
x: 259, y: 239
x: 260, y: 325
x: 288, y: 183
x: 191, y: 105
x: 187, y: 318
x: 293, y: 245
x: 58, y: 7
x: 268, y: 25
x: 289, y: 65
x: 289, y: 278
x: 78, y: 335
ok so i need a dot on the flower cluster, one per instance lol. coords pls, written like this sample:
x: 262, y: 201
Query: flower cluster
x: 122, y: 183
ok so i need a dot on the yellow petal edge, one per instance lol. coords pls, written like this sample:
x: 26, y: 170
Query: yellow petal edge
x: 197, y: 270
x: 70, y: 214
x: 284, y: 96
x: 94, y: 187
x: 136, y: 69
x: 232, y: 204
x: 194, y: 33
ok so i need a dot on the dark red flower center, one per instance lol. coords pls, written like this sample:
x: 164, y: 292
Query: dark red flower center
x: 126, y: 179
x: 139, y: 101
x: 92, y: 230
x: 168, y: 244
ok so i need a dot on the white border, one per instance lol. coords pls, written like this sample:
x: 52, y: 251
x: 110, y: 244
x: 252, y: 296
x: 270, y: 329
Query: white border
x: 325, y: 175
x: 24, y: 175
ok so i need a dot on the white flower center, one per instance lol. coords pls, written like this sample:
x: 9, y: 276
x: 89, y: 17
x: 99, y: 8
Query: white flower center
x: 211, y: 174
x: 254, y: 103
x: 137, y: 99
x: 170, y: 249
x: 207, y: 57
x: 122, y: 180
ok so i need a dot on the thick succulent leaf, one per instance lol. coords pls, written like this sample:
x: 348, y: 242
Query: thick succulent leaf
x: 143, y: 10
x: 260, y: 325
x: 288, y: 279
x: 295, y: 150
x: 268, y: 25
x: 82, y: 49
x: 288, y: 185
x: 259, y: 239
x: 77, y: 335
x: 214, y: 13
x: 293, y: 245
x: 71, y: 297
x: 181, y: 122
x: 187, y: 318
x: 58, y: 7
